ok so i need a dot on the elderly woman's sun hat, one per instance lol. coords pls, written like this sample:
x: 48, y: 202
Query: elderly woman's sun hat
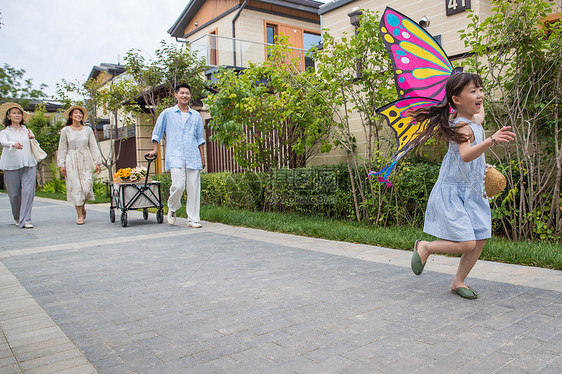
x: 4, y: 108
x: 69, y: 110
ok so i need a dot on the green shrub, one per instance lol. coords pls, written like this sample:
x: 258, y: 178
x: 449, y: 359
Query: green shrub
x: 165, y: 184
x: 99, y: 189
x: 320, y: 190
x: 324, y: 191
x: 56, y: 185
x: 237, y: 190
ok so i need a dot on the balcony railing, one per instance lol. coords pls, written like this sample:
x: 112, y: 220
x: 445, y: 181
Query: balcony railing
x: 224, y: 51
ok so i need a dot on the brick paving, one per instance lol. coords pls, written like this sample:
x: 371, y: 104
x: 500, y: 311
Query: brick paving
x: 155, y: 298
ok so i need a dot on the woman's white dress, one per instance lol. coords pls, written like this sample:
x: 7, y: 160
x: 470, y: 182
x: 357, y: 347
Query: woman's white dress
x: 78, y: 153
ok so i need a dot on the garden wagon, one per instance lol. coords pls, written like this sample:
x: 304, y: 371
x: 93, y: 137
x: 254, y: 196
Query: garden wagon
x: 134, y: 195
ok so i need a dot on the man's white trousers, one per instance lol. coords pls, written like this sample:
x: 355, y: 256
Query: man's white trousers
x: 186, y: 180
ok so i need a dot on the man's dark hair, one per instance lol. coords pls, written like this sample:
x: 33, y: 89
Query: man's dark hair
x: 182, y: 85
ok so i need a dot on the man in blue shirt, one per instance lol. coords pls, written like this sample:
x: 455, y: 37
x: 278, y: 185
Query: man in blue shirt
x: 185, y: 159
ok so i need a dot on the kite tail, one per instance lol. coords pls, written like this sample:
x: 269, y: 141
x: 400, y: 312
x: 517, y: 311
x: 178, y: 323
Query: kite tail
x: 385, y: 173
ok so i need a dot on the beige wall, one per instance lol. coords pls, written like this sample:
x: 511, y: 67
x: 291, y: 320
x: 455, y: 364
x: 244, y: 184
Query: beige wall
x: 250, y: 26
x: 337, y: 22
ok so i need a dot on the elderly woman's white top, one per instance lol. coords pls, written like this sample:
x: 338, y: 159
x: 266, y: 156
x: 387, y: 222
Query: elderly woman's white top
x: 13, y: 158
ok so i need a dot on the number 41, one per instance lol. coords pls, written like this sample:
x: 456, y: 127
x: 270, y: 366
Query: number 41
x: 453, y: 4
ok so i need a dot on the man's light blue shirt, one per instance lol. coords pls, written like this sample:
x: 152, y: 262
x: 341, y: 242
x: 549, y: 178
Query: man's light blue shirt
x: 182, y: 138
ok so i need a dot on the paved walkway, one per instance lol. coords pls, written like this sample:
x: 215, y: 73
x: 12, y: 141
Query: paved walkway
x: 155, y: 298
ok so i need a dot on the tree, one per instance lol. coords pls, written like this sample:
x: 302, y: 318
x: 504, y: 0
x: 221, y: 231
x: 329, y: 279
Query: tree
x: 518, y: 52
x: 111, y: 98
x: 152, y: 82
x: 155, y: 80
x: 46, y: 132
x: 115, y: 100
x: 267, y: 115
x: 356, y: 78
x: 15, y: 87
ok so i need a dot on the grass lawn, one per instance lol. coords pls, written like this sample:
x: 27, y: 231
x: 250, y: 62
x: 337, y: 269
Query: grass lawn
x: 540, y: 254
x: 529, y: 253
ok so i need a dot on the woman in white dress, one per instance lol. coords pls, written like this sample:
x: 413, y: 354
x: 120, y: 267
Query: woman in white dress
x: 18, y: 163
x: 76, y: 157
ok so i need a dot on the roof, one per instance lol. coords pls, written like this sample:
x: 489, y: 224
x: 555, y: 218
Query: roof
x: 51, y: 106
x: 177, y: 29
x: 325, y: 8
x: 113, y: 69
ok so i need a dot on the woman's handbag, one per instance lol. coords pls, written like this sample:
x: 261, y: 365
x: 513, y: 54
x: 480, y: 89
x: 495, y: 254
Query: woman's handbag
x: 494, y: 182
x: 36, y: 150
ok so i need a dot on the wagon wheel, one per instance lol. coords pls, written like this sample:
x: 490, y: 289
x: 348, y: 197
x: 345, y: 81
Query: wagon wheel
x: 160, y: 216
x: 145, y: 213
x: 112, y: 215
x: 124, y: 219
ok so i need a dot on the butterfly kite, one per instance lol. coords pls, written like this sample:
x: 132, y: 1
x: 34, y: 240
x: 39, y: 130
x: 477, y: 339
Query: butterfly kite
x: 421, y: 69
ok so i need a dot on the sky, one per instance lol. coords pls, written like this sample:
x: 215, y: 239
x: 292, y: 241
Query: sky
x: 56, y: 39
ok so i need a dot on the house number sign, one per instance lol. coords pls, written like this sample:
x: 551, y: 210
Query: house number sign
x: 456, y: 6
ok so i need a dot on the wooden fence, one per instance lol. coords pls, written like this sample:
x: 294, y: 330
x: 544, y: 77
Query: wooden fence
x: 220, y: 158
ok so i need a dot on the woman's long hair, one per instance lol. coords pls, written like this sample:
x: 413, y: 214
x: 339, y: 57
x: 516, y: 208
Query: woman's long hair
x: 69, y: 119
x: 439, y: 115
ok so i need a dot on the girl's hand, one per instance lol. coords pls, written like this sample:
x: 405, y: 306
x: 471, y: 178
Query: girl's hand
x: 503, y: 135
x: 98, y: 169
x: 30, y: 134
x: 18, y: 145
x: 63, y: 171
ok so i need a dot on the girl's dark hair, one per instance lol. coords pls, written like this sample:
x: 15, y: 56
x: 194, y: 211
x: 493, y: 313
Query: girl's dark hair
x: 439, y: 115
x: 69, y: 120
x: 8, y: 122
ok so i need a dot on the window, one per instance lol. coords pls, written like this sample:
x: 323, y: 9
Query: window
x: 271, y: 33
x: 311, y: 41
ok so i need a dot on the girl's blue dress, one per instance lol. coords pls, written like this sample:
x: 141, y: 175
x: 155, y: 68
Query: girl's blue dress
x: 455, y: 211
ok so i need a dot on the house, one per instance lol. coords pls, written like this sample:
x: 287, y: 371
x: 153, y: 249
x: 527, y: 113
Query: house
x: 119, y: 137
x: 233, y: 33
x: 236, y: 32
x: 436, y: 17
x: 442, y: 19
x: 104, y: 73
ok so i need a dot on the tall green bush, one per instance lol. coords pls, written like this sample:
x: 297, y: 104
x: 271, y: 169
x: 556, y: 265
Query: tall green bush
x: 270, y: 115
x: 518, y: 52
x: 322, y: 190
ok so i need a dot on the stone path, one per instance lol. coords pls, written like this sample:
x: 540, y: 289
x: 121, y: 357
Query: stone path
x: 155, y: 298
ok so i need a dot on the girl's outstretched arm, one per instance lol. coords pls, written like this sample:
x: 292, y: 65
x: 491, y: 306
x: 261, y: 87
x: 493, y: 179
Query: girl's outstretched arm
x: 469, y: 153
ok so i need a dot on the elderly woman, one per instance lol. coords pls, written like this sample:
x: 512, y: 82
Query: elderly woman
x: 76, y: 157
x: 18, y: 163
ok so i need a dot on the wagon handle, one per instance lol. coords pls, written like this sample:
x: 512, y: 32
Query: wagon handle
x: 149, y: 160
